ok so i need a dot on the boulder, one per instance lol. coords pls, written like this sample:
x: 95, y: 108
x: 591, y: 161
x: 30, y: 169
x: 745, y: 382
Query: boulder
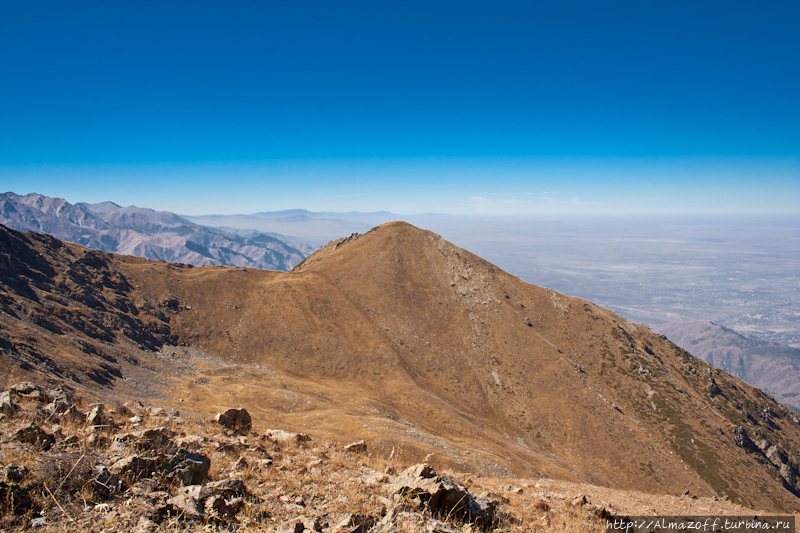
x: 33, y: 435
x: 742, y: 440
x: 184, y: 466
x: 440, y: 495
x: 155, y: 440
x: 134, y: 467
x: 190, y: 468
x: 788, y: 475
x: 286, y: 437
x: 235, y: 419
x: 7, y: 406
x: 356, y: 447
x: 96, y: 417
x: 776, y: 456
x: 24, y: 388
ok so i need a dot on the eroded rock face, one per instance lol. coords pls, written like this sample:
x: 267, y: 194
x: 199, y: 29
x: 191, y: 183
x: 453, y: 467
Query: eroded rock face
x: 235, y: 419
x: 24, y: 388
x: 147, y: 440
x: 742, y: 440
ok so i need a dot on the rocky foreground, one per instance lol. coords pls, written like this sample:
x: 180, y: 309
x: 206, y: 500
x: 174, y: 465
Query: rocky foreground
x: 70, y: 465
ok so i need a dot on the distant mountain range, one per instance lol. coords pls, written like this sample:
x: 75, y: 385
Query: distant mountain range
x: 771, y: 367
x: 316, y: 228
x: 157, y: 235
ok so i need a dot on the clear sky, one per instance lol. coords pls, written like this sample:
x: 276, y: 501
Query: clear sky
x: 454, y: 107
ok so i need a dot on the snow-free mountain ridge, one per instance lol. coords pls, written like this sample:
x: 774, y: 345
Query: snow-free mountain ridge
x: 143, y: 232
x: 418, y: 346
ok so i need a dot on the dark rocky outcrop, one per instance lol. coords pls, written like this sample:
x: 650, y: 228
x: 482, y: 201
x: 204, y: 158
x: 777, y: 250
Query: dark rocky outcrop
x: 235, y: 419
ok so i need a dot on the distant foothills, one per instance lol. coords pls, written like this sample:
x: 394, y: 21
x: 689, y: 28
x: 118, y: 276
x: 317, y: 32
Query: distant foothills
x: 771, y: 367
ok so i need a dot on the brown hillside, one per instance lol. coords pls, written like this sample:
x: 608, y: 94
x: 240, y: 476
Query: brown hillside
x: 417, y: 345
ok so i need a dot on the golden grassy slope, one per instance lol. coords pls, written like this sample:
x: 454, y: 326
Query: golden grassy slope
x: 422, y: 347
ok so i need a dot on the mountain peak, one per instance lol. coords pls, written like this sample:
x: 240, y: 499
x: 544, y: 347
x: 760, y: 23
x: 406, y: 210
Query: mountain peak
x: 402, y: 338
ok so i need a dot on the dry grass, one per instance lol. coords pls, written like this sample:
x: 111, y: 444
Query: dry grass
x: 312, y: 479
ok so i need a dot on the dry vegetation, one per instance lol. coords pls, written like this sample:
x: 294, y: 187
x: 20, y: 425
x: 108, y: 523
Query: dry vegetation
x: 408, y: 342
x: 290, y: 479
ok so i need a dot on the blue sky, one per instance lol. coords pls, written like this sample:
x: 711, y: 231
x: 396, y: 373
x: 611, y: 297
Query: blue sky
x: 457, y: 107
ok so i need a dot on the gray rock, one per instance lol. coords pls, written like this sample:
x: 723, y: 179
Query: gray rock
x: 776, y: 456
x: 134, y: 467
x: 96, y: 417
x: 154, y: 440
x: 235, y: 419
x: 442, y: 496
x: 188, y: 502
x: 741, y: 440
x: 7, y: 406
x: 190, y: 468
x: 184, y: 466
x: 788, y: 474
x: 24, y: 388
